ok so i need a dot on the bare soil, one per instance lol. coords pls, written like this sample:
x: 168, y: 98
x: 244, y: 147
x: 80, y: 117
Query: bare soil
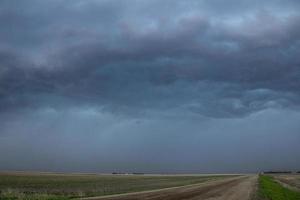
x: 238, y: 188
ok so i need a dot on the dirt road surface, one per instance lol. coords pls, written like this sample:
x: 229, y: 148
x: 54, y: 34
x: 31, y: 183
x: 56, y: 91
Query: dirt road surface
x: 238, y: 188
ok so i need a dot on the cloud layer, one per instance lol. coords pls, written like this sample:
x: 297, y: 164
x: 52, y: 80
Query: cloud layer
x: 141, y: 55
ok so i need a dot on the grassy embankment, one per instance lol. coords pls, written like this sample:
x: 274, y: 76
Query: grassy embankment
x: 64, y: 186
x: 269, y: 189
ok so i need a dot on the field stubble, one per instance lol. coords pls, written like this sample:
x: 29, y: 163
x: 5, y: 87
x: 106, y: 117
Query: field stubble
x: 66, y: 186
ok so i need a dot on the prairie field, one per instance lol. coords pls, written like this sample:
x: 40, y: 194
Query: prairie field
x: 63, y: 186
x: 67, y: 186
x: 289, y: 180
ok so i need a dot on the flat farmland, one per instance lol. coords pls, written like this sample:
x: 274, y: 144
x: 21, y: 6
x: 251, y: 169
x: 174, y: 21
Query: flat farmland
x: 289, y: 180
x: 69, y: 186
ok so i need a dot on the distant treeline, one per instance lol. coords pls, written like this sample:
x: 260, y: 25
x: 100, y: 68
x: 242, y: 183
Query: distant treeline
x: 278, y: 172
x: 122, y: 173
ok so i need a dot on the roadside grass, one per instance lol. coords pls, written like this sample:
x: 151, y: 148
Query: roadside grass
x: 271, y: 190
x: 65, y: 186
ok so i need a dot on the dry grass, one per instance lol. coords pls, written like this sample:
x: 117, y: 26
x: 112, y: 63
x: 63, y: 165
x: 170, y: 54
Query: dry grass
x: 64, y: 186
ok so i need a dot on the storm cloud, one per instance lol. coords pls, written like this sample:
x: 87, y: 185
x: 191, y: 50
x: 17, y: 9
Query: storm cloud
x: 113, y: 70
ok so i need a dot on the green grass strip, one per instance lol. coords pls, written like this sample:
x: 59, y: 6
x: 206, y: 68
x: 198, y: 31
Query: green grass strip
x: 271, y: 190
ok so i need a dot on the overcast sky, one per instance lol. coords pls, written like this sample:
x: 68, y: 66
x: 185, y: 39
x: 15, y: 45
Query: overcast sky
x: 150, y: 86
